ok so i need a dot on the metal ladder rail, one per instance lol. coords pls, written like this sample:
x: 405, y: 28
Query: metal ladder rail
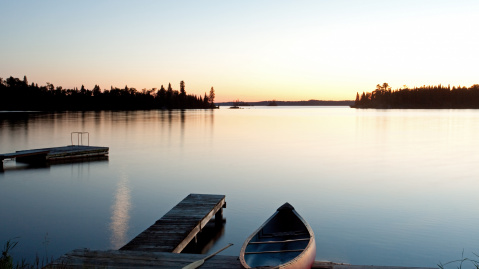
x: 80, y: 138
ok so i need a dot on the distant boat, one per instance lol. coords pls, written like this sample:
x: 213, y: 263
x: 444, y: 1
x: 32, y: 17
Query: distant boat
x: 284, y: 241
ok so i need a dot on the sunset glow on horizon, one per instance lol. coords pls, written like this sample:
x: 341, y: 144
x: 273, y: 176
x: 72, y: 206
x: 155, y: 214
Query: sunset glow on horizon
x: 246, y: 50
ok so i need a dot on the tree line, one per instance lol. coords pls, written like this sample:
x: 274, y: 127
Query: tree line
x: 17, y: 94
x: 419, y: 97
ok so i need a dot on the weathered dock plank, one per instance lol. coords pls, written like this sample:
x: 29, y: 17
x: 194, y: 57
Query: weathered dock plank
x: 179, y: 226
x: 85, y: 258
x: 24, y: 153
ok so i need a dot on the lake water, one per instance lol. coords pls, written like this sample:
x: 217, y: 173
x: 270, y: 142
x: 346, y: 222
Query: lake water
x: 378, y: 187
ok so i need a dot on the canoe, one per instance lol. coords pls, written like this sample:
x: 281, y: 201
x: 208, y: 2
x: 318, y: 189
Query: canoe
x: 284, y: 241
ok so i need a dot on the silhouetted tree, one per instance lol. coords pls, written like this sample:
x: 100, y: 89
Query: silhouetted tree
x: 211, y: 97
x: 13, y: 82
x: 50, y: 86
x: 182, y: 95
x: 206, y: 99
x: 182, y: 88
x: 96, y: 90
x: 385, y: 86
x: 161, y: 96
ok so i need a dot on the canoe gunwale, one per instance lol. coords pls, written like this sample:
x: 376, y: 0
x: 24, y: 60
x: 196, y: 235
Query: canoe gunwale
x: 282, y: 241
x: 274, y: 251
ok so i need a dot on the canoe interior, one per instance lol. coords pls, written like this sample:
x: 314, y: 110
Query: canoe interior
x: 282, y: 238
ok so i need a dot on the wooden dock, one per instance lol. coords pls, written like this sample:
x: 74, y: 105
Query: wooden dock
x: 71, y: 152
x: 180, y: 225
x: 160, y: 244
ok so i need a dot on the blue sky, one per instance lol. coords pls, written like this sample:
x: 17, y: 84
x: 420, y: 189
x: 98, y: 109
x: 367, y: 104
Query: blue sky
x: 247, y: 50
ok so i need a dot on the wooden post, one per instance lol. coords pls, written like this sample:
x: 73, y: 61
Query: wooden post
x: 1, y: 159
x: 219, y: 218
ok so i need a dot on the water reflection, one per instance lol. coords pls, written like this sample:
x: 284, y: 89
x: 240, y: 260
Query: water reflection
x: 182, y: 128
x: 120, y: 214
x: 381, y: 181
x: 13, y: 165
x: 207, y: 238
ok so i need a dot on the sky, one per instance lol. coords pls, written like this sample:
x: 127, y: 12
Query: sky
x: 247, y: 50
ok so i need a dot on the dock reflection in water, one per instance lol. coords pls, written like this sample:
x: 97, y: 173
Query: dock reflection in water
x: 207, y: 238
x: 120, y: 213
x: 13, y: 165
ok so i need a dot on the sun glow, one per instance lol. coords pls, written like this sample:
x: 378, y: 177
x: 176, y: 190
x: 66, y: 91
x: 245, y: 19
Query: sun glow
x: 296, y: 51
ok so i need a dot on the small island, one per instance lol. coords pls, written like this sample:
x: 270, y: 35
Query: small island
x: 272, y: 103
x: 238, y: 104
x: 433, y: 97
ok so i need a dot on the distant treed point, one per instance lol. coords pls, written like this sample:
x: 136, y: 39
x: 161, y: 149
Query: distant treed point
x: 17, y: 94
x: 434, y: 97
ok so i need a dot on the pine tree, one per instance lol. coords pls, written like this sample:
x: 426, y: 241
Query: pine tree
x: 212, y: 96
x: 182, y: 88
x: 96, y: 90
x: 205, y: 99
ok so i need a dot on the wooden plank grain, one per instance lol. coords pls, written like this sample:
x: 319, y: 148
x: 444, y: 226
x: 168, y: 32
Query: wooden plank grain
x: 85, y: 258
x: 179, y: 225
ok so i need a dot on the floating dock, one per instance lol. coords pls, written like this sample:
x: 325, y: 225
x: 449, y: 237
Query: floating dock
x: 160, y: 244
x: 56, y: 154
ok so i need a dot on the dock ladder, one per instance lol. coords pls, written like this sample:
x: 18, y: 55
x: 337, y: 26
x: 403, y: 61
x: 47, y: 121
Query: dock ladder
x: 79, y: 136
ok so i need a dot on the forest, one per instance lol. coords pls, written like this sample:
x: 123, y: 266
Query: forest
x: 419, y: 97
x: 19, y: 95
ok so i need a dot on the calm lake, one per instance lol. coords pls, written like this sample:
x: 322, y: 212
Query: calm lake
x: 378, y: 187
